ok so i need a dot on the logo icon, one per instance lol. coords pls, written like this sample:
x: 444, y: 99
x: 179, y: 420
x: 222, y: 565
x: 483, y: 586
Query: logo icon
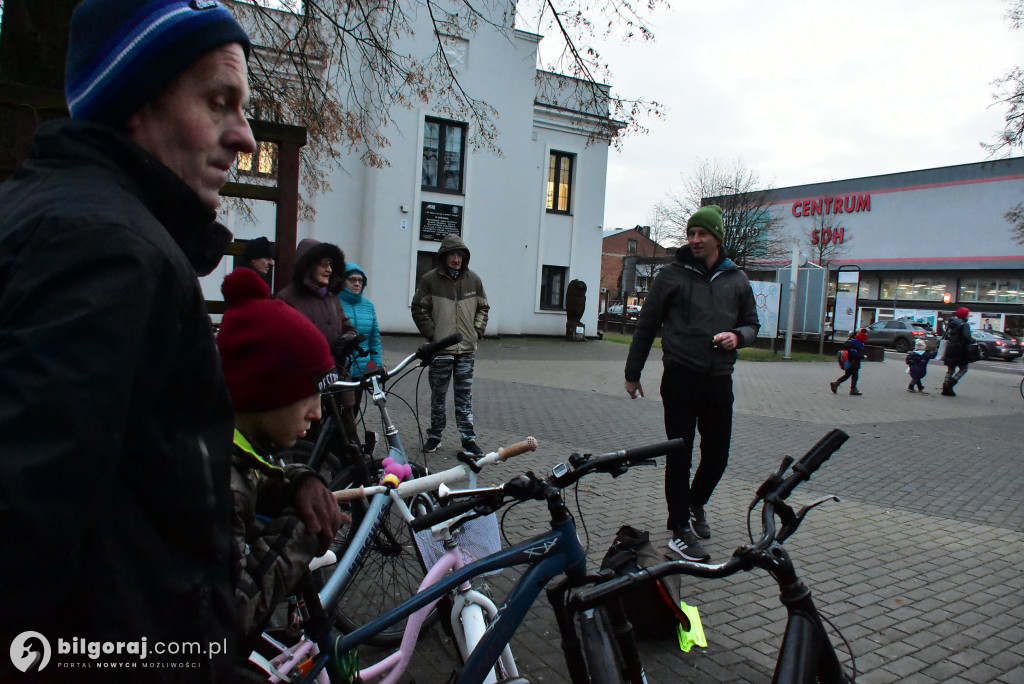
x: 30, y: 651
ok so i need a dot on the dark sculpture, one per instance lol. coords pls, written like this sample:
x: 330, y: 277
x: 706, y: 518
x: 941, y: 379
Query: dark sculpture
x: 575, y: 304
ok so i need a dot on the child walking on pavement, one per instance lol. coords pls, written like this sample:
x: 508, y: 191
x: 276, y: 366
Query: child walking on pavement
x: 918, y: 362
x: 855, y: 352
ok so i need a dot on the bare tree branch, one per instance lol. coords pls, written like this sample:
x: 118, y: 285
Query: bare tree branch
x: 752, y: 233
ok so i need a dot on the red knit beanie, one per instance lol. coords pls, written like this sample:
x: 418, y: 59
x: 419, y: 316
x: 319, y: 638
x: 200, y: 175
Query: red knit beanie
x: 963, y: 312
x: 272, y: 355
x: 861, y: 335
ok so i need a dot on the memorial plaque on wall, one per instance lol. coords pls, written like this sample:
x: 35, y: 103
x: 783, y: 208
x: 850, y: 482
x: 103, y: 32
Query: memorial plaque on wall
x: 437, y: 220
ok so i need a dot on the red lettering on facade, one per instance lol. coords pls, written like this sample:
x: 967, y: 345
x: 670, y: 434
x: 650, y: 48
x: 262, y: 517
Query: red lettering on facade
x: 796, y: 209
x: 837, y: 205
x: 816, y: 207
x: 814, y: 236
x: 837, y: 234
x: 864, y: 203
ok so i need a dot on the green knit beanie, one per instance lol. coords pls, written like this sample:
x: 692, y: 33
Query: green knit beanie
x: 709, y: 217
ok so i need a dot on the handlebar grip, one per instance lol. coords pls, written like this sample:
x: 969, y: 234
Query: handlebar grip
x: 528, y: 444
x: 427, y: 351
x: 652, y: 450
x: 351, y: 494
x: 812, y: 460
x: 439, y: 515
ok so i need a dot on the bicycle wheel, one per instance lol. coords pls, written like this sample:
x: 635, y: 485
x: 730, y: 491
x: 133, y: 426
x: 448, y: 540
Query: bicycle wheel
x: 389, y: 574
x: 1022, y: 389
x: 599, y: 648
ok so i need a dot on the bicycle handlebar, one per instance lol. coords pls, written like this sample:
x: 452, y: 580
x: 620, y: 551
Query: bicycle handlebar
x: 529, y: 487
x: 435, y: 480
x: 773, y: 491
x: 424, y: 353
x: 427, y: 351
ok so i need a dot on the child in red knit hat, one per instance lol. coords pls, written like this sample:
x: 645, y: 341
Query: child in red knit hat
x: 275, y: 362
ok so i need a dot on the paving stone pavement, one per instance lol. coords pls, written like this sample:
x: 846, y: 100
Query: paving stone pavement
x: 919, y: 565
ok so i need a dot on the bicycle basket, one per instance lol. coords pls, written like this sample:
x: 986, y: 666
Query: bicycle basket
x: 477, y: 538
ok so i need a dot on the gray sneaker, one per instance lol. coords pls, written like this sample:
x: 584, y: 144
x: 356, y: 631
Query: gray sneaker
x: 699, y: 522
x: 686, y: 545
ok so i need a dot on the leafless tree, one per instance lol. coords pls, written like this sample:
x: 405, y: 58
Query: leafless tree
x: 752, y: 233
x: 827, y: 239
x: 339, y: 67
x: 1010, y: 94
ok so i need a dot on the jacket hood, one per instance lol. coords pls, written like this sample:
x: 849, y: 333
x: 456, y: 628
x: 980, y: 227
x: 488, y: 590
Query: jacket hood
x: 310, y: 252
x: 449, y: 244
x: 352, y: 267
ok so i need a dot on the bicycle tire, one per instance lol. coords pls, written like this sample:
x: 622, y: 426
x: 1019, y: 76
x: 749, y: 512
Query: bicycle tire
x: 599, y: 648
x: 389, y: 574
x: 1022, y: 389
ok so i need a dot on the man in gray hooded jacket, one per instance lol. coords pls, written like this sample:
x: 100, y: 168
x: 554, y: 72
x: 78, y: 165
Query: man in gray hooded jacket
x: 708, y: 311
x: 451, y: 299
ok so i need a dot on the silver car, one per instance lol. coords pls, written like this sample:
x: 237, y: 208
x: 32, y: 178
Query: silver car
x: 901, y: 335
x: 997, y: 345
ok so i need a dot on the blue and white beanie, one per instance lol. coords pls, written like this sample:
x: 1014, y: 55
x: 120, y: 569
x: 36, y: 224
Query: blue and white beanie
x: 122, y: 53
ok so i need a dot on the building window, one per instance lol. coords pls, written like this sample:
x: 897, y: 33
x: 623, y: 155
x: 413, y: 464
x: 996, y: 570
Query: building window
x: 989, y: 290
x: 631, y: 247
x: 552, y: 287
x: 559, y: 182
x: 261, y: 163
x: 444, y: 147
x: 911, y: 289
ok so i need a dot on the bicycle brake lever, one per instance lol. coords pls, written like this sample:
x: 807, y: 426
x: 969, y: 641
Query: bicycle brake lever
x: 790, y: 525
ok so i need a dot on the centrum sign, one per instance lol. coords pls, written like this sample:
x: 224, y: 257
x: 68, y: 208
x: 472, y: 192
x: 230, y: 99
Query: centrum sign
x: 838, y: 204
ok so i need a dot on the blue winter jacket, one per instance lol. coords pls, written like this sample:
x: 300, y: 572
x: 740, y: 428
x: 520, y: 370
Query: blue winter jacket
x: 918, y: 362
x: 363, y: 315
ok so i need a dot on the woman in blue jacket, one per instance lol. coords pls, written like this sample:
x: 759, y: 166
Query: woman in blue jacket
x: 363, y: 315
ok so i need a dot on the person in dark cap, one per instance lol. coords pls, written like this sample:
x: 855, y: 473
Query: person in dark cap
x: 958, y: 341
x: 115, y: 420
x: 276, y: 364
x: 259, y: 256
x: 707, y: 308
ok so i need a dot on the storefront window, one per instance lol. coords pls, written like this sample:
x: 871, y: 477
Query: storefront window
x: 887, y: 288
x: 1009, y: 292
x: 968, y: 291
x: 987, y: 290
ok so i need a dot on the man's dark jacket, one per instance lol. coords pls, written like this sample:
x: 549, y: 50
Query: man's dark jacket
x: 694, y: 303
x: 115, y: 421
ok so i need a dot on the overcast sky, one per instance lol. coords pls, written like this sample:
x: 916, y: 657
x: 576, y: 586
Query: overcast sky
x: 805, y: 91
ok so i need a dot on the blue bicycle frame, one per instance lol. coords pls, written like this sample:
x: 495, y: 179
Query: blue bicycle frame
x: 548, y: 555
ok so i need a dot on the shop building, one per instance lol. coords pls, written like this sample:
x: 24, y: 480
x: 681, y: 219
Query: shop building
x: 923, y: 242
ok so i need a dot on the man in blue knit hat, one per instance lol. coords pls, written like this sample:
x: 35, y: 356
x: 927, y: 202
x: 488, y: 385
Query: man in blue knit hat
x: 115, y: 421
x: 707, y: 308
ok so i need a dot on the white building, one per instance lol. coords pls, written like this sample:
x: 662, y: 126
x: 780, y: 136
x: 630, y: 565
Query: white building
x: 532, y: 217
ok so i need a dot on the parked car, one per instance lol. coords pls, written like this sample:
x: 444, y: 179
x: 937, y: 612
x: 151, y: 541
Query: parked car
x: 997, y: 345
x: 901, y: 335
x: 614, y: 312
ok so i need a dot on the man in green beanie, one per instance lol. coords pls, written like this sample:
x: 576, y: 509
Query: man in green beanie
x: 707, y: 308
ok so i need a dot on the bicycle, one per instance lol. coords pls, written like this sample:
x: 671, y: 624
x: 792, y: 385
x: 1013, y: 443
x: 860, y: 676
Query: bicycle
x: 1022, y: 388
x: 376, y: 553
x: 604, y: 649
x: 449, y: 547
x: 547, y: 556
x: 806, y: 654
x: 470, y: 606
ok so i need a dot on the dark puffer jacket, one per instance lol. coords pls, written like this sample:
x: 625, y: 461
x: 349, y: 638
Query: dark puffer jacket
x: 694, y: 304
x: 958, y: 339
x: 318, y: 304
x: 115, y: 421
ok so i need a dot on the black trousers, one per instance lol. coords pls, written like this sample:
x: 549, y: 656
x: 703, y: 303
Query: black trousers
x: 703, y: 403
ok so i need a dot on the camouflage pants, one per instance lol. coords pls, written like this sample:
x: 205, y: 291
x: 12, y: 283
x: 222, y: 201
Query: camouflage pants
x: 441, y: 372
